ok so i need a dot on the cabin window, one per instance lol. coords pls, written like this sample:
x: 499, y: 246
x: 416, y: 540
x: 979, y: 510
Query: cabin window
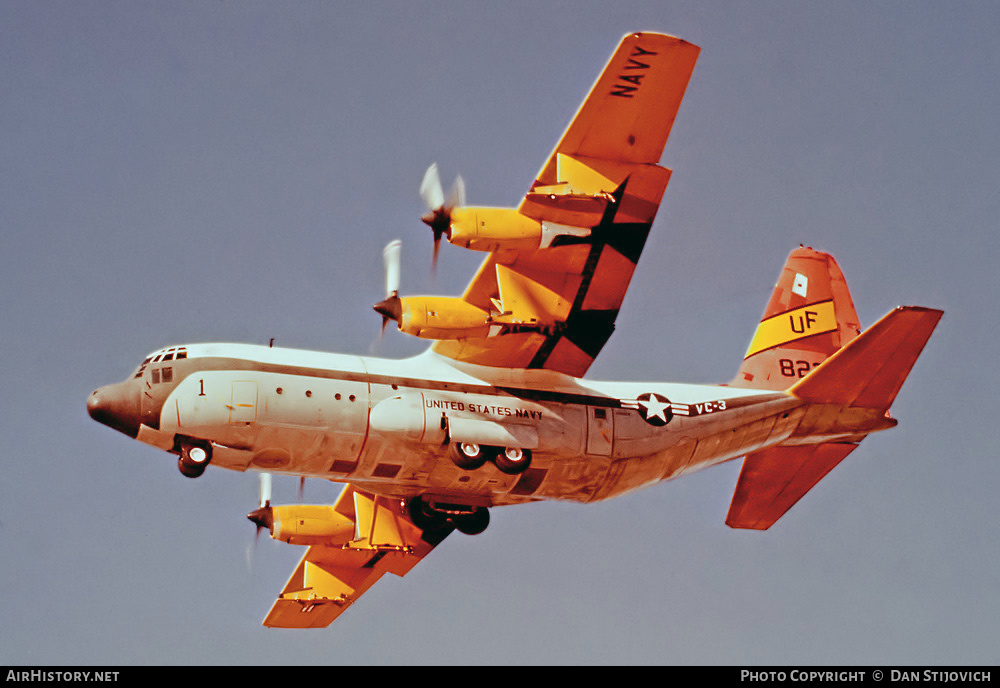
x: 156, y: 376
x: 600, y: 413
x: 167, y: 374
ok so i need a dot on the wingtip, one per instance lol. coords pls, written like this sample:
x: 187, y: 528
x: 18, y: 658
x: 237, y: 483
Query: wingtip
x: 659, y: 35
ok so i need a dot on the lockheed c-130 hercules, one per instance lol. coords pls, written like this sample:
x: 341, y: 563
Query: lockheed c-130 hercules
x: 496, y: 411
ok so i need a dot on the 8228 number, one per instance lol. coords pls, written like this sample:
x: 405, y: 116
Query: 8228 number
x: 790, y: 368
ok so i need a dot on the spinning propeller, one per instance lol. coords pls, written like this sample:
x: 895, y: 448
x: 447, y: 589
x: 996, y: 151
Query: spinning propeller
x: 391, y: 308
x: 263, y: 515
x: 439, y: 216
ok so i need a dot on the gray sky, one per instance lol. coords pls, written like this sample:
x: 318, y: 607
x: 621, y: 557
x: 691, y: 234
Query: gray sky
x: 223, y: 171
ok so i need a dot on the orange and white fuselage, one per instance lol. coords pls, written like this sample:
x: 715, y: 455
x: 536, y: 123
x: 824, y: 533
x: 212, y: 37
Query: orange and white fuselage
x: 384, y: 425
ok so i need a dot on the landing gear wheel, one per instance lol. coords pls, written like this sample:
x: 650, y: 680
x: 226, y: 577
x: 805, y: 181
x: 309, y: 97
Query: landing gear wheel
x: 423, y: 516
x: 474, y: 523
x: 468, y: 456
x: 194, y: 459
x: 513, y: 460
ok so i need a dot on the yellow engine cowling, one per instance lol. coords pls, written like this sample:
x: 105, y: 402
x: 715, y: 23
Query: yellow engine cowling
x: 310, y: 524
x: 494, y: 229
x: 490, y: 229
x: 442, y: 317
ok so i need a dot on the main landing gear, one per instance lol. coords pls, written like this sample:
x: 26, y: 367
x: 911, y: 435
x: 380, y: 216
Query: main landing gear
x: 509, y: 460
x: 471, y: 520
x: 194, y: 457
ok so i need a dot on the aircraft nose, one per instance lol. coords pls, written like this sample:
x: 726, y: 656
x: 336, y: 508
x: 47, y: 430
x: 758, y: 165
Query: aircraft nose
x: 117, y: 406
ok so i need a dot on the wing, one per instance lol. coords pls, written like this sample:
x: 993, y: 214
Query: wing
x: 595, y: 197
x: 332, y: 577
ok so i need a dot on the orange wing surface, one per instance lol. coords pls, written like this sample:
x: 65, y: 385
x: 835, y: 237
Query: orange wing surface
x: 595, y: 197
x: 333, y: 575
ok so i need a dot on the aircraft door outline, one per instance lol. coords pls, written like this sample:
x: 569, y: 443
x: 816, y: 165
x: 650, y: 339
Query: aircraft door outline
x: 243, y: 405
x: 600, y: 431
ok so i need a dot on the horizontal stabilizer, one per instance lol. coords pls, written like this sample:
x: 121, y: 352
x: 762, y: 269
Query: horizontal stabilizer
x: 869, y: 371
x: 774, y: 479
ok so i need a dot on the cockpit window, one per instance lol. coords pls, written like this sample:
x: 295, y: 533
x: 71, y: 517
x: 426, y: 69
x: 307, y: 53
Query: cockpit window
x: 142, y: 367
x: 174, y: 353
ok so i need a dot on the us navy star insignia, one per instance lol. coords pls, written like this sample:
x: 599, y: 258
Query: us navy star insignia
x: 654, y: 409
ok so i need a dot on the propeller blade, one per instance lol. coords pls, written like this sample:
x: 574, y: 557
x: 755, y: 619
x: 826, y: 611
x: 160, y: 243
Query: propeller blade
x: 391, y: 257
x: 438, y: 217
x: 456, y: 198
x: 430, y: 188
x: 265, y: 490
x: 391, y: 307
x: 262, y: 516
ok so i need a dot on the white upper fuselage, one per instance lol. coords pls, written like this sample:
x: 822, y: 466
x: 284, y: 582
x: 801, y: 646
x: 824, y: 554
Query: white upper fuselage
x: 318, y: 414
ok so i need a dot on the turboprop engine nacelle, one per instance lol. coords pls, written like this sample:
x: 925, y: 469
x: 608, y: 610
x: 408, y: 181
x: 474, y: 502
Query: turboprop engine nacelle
x: 492, y: 229
x: 442, y: 317
x: 306, y: 524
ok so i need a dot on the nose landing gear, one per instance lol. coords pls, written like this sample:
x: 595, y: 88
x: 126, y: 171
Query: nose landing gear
x: 194, y: 458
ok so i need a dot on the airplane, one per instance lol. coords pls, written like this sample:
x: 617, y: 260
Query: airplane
x: 497, y: 410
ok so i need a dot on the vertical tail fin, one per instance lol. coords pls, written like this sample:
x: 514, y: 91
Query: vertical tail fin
x: 809, y: 317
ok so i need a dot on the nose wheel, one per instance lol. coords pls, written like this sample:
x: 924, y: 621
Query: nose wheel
x: 194, y: 458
